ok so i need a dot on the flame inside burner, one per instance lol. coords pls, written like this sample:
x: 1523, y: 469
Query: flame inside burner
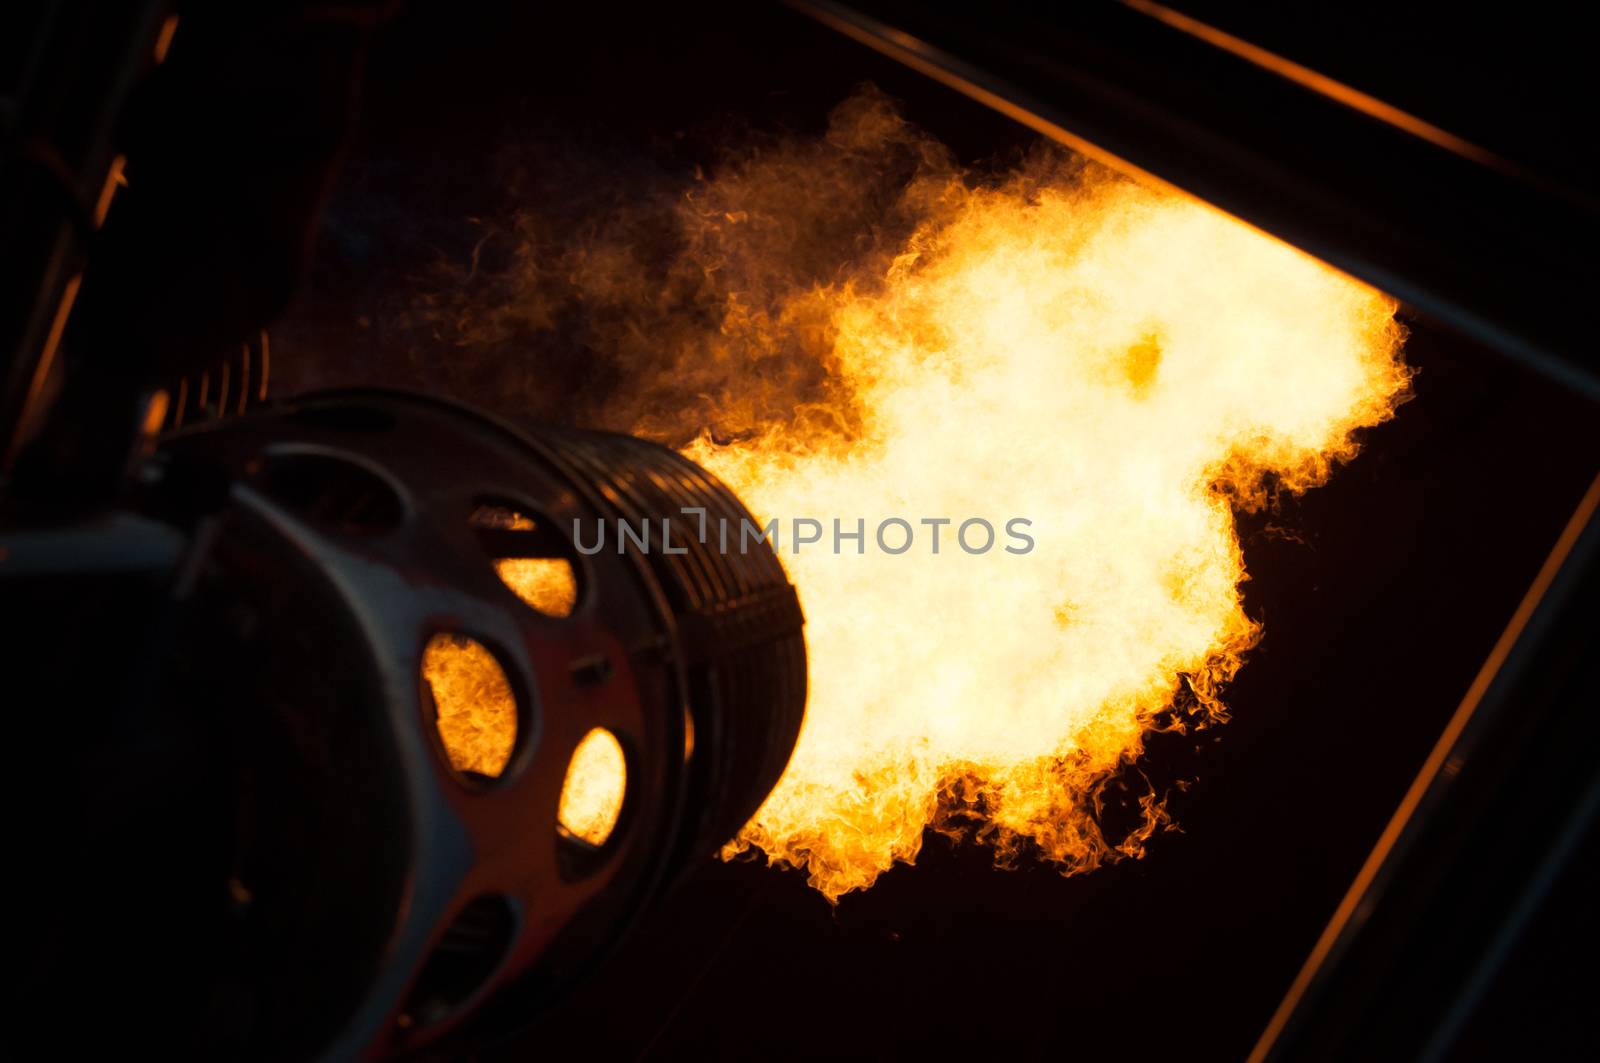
x: 591, y: 794
x: 545, y: 584
x: 477, y: 712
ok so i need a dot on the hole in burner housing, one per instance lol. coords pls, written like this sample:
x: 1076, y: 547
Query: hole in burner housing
x: 594, y: 789
x: 529, y: 558
x: 475, y: 710
x: 334, y: 492
x: 462, y: 962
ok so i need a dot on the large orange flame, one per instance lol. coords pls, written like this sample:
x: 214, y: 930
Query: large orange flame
x: 1120, y: 366
x: 860, y: 330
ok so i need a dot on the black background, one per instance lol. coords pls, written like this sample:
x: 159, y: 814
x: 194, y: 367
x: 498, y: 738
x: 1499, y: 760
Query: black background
x: 1381, y: 592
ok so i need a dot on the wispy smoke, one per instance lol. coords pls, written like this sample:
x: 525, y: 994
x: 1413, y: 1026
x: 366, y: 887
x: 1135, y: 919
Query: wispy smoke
x: 638, y: 300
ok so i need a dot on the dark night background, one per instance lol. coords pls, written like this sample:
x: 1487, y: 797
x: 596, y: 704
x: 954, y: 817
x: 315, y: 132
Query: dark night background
x: 1381, y: 592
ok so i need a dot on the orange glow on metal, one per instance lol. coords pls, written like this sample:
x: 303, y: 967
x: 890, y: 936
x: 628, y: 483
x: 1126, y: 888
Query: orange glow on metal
x: 1318, y: 83
x: 108, y: 189
x: 169, y: 29
x: 1431, y: 768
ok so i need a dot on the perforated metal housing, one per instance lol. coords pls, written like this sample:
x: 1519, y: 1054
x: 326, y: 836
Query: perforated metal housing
x: 361, y: 526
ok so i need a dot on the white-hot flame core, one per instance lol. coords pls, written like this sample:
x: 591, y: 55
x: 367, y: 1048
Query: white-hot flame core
x: 1120, y: 367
